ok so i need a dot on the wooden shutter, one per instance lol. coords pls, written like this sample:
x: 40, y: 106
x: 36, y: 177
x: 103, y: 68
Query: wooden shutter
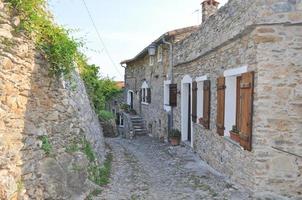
x: 194, y: 101
x: 148, y: 95
x: 238, y: 102
x: 246, y: 110
x: 173, y: 94
x: 206, y: 103
x: 220, y: 105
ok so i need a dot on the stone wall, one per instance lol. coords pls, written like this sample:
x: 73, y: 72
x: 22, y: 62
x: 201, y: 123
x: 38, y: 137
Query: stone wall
x: 36, y: 107
x: 153, y: 113
x: 219, y: 152
x: 266, y: 37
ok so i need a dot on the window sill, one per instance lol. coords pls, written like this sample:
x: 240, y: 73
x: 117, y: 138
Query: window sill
x: 226, y: 138
x: 144, y: 103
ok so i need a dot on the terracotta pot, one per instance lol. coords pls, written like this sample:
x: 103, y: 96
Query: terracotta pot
x: 174, y: 141
x: 244, y: 141
x: 235, y: 136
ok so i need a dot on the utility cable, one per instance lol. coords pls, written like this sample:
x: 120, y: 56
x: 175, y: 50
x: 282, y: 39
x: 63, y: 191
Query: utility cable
x: 100, y: 38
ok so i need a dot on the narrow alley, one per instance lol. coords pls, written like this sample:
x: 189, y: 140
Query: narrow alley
x: 145, y: 169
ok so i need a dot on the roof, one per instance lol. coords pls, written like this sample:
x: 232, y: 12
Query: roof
x: 120, y: 84
x: 211, y: 2
x: 167, y: 35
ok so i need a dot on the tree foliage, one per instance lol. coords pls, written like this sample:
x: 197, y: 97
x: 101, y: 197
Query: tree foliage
x: 60, y: 50
x: 100, y: 90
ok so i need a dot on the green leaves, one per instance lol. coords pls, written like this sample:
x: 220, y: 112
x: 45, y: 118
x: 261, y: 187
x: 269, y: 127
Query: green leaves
x: 54, y: 41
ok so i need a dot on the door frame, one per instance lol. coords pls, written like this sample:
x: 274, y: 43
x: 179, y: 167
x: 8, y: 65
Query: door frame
x: 130, y: 101
x: 185, y: 110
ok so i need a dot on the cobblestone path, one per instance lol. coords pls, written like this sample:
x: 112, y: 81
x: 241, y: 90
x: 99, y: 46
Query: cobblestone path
x: 145, y: 169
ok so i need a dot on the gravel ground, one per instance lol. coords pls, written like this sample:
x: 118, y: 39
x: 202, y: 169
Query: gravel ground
x: 145, y: 169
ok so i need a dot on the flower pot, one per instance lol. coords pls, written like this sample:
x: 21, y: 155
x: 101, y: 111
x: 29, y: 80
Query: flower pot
x: 244, y: 141
x: 235, y: 136
x: 174, y: 141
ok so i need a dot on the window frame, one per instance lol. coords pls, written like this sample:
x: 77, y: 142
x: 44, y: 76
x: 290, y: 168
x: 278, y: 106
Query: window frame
x: 144, y: 93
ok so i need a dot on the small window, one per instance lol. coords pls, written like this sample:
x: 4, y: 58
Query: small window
x: 121, y: 120
x: 145, y: 93
x: 151, y: 60
x: 159, y: 54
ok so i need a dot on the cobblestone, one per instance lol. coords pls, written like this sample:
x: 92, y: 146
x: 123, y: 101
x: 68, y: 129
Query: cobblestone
x: 146, y: 169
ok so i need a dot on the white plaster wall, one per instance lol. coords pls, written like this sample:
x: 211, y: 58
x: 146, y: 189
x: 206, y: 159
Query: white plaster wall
x: 230, y: 104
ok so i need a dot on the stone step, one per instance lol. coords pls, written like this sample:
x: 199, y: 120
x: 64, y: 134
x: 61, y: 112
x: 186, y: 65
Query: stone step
x: 139, y: 126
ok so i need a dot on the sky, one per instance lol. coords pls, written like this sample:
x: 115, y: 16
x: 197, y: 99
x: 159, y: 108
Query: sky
x: 125, y: 26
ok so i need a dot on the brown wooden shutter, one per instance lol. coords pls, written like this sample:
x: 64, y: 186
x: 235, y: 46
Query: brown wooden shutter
x: 220, y: 105
x: 206, y: 103
x: 246, y: 110
x: 194, y: 101
x: 148, y: 95
x: 173, y: 95
x: 238, y: 102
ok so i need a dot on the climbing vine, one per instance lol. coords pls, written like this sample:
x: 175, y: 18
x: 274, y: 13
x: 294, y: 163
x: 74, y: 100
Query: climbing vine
x: 61, y: 50
x: 100, y: 90
x: 53, y: 41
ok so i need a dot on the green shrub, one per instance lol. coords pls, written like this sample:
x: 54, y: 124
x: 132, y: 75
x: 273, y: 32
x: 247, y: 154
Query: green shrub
x: 101, y: 175
x: 57, y: 46
x: 174, y: 133
x: 105, y: 115
x: 46, y: 146
x: 87, y: 149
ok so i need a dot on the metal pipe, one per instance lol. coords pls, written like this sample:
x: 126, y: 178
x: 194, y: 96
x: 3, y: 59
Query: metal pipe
x: 170, y: 76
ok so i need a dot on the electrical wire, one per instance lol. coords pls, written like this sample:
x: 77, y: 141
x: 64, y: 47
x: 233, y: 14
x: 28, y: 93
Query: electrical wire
x: 100, y: 38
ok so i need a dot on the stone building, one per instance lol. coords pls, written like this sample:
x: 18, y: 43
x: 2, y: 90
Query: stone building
x: 241, y: 71
x: 144, y: 77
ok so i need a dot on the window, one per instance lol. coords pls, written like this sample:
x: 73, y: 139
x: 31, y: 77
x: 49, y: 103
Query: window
x: 167, y: 95
x: 151, y: 60
x: 121, y: 120
x: 145, y: 93
x: 201, y: 101
x: 234, y: 106
x: 159, y: 54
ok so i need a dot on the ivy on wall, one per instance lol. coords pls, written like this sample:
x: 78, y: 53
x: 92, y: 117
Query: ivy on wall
x: 60, y: 50
x: 52, y: 40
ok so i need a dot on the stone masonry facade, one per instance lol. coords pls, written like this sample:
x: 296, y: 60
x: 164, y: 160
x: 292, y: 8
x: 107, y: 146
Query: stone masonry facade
x: 266, y: 37
x: 33, y: 106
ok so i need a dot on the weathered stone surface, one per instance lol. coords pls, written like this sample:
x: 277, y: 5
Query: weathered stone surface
x: 265, y: 36
x: 33, y: 104
x: 146, y: 169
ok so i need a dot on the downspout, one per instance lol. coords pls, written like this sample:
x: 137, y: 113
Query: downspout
x: 170, y: 76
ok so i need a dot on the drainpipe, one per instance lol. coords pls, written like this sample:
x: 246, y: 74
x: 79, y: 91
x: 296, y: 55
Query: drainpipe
x: 170, y: 76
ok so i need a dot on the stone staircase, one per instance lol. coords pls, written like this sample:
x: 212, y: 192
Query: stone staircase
x: 138, y: 125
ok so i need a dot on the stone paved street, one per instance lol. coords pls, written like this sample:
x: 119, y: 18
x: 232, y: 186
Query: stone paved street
x: 143, y: 168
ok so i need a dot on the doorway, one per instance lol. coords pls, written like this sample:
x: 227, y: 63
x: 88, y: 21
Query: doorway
x: 186, y: 110
x: 130, y: 99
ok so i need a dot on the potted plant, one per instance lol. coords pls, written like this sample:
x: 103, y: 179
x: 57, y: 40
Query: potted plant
x: 235, y: 134
x: 174, y: 136
x: 200, y: 120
